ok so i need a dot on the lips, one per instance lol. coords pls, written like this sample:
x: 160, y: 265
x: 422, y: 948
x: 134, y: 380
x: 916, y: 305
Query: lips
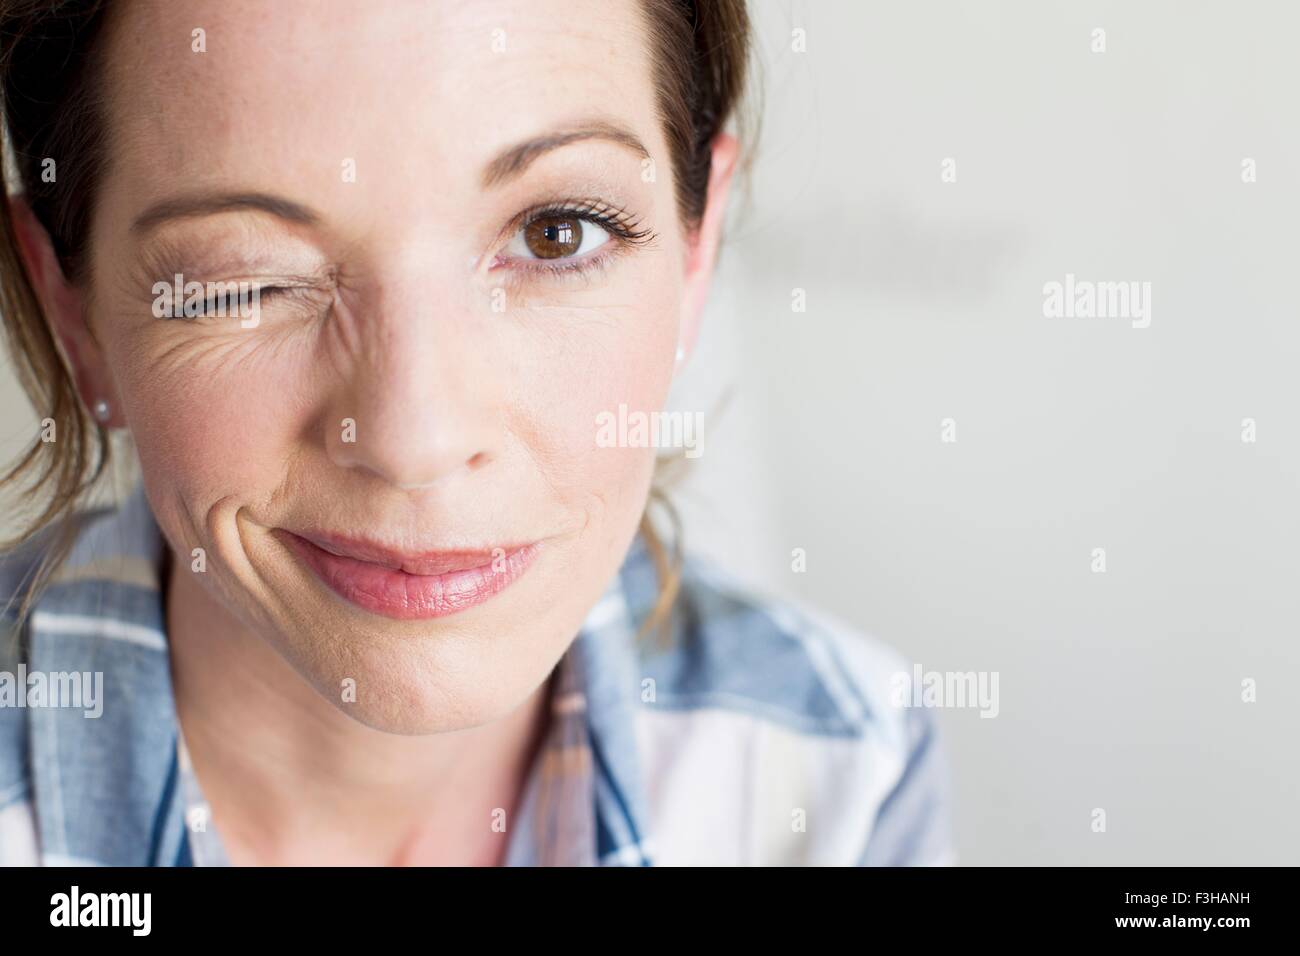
x: 408, y: 586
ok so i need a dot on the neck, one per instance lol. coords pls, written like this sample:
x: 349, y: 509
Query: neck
x: 291, y: 779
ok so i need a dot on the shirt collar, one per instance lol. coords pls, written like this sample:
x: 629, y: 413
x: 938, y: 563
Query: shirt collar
x: 117, y: 790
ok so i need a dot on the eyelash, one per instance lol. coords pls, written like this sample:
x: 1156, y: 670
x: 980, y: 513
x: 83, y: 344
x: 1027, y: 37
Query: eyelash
x: 624, y: 229
x: 210, y: 306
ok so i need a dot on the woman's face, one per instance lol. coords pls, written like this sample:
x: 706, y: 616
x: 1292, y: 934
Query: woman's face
x: 428, y: 373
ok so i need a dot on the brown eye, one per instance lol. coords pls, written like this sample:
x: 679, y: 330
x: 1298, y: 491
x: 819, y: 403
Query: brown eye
x: 553, y: 237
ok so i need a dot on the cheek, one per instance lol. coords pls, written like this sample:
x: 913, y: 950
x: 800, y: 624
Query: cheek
x: 582, y: 365
x: 214, y: 416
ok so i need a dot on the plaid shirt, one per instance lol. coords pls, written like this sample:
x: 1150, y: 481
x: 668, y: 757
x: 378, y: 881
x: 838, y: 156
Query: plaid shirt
x: 762, y: 734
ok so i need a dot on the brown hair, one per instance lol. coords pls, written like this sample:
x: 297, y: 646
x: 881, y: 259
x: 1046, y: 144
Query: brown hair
x: 50, y: 95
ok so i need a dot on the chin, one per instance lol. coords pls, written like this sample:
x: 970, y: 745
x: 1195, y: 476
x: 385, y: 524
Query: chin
x: 445, y: 679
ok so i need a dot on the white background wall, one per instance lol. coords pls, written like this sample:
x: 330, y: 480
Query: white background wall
x: 1119, y: 690
x: 924, y: 301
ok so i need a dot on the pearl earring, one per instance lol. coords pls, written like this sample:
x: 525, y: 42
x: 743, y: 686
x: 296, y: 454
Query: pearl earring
x: 101, y: 410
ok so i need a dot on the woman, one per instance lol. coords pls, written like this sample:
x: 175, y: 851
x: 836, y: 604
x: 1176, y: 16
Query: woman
x: 358, y: 280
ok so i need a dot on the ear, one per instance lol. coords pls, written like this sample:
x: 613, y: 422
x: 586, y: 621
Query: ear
x: 63, y: 305
x: 702, y: 252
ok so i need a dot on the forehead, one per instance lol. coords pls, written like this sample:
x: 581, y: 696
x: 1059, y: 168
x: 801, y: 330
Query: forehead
x: 421, y: 90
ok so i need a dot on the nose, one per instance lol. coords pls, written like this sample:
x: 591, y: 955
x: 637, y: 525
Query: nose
x: 418, y: 406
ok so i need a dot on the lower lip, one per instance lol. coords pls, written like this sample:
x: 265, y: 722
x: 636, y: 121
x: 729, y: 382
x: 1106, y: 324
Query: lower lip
x: 403, y: 596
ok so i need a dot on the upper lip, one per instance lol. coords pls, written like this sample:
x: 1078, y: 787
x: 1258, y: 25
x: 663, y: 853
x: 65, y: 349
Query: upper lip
x: 412, y: 562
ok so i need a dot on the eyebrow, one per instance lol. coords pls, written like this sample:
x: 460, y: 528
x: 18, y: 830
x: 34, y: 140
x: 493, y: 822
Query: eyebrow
x: 512, y: 162
x: 184, y: 207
